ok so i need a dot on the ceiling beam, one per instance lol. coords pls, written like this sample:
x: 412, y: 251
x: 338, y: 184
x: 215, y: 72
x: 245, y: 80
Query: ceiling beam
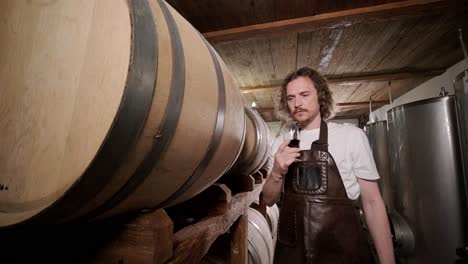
x: 342, y: 18
x: 357, y: 105
x: 269, y: 119
x: 345, y: 117
x: 364, y: 104
x: 354, y: 79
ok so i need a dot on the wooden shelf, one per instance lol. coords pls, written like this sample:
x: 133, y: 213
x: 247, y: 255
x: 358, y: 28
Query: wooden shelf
x: 182, y: 234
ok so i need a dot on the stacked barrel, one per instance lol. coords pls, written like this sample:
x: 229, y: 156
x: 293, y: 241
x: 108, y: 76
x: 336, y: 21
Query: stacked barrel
x: 113, y: 106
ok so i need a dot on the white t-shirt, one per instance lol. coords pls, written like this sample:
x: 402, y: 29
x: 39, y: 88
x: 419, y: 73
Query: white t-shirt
x: 350, y: 149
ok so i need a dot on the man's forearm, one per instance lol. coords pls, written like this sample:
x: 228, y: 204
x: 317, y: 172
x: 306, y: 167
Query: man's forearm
x: 377, y: 221
x: 272, y: 188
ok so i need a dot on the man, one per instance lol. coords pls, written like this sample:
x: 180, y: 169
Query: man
x: 318, y: 183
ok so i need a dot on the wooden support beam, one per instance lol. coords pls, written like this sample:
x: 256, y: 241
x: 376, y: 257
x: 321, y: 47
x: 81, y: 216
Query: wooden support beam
x: 192, y: 242
x: 213, y: 201
x: 332, y: 20
x: 344, y: 117
x: 353, y: 79
x: 383, y: 77
x: 145, y: 239
x: 130, y: 238
x: 238, y: 253
x: 354, y: 104
x: 364, y: 104
x: 261, y: 206
x: 258, y: 177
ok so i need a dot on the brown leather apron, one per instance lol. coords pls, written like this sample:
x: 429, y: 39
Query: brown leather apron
x: 318, y: 222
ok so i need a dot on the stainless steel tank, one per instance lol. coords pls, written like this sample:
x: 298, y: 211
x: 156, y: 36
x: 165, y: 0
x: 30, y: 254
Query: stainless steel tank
x: 460, y: 86
x: 428, y: 177
x: 378, y: 140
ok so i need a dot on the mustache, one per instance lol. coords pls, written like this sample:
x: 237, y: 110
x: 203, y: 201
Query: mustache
x: 299, y: 110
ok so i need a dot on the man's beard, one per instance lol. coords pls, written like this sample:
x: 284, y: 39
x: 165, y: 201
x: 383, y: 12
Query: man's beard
x: 303, y: 122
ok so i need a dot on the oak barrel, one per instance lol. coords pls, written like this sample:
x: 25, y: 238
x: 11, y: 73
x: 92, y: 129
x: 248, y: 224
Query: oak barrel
x: 255, y: 151
x: 260, y: 243
x: 272, y: 219
x: 109, y: 106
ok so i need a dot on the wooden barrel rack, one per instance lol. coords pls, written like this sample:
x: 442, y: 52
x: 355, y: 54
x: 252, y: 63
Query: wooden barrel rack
x: 180, y: 234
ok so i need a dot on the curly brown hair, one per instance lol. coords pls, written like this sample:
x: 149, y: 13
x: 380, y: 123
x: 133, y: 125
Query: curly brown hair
x: 324, y: 94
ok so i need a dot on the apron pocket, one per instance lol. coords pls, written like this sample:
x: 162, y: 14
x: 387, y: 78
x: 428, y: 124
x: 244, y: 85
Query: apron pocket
x: 310, y: 178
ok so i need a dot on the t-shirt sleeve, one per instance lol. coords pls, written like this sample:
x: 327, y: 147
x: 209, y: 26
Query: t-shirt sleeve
x: 361, y: 154
x: 273, y: 149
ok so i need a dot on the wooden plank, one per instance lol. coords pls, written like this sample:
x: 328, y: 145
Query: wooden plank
x: 163, y: 244
x: 283, y: 53
x: 209, y: 15
x: 233, y: 9
x: 258, y: 177
x: 239, y: 250
x: 360, y: 43
x: 131, y: 238
x: 363, y: 93
x: 211, y: 202
x: 442, y: 46
x: 268, y: 115
x: 192, y: 242
x: 384, y: 76
x: 264, y: 172
x: 327, y: 54
x: 216, y: 198
x: 443, y: 53
x: 260, y: 206
x: 249, y: 60
x: 363, y: 104
x: 346, y: 50
x: 263, y: 11
x: 285, y: 8
x: 406, y: 44
x: 344, y: 117
x: 341, y: 92
x: 141, y: 238
x: 399, y: 88
x: 332, y: 20
x: 246, y: 183
x: 380, y: 91
x: 352, y: 113
x: 146, y: 239
x: 214, y: 15
x: 355, y: 104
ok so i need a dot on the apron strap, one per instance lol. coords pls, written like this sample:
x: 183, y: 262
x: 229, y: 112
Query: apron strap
x: 322, y: 142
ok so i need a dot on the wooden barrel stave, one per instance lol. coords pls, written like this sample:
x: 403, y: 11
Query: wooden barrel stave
x: 166, y: 171
x: 181, y: 150
x: 51, y: 106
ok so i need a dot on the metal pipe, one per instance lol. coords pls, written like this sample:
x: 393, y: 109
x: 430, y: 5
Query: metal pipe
x: 460, y: 37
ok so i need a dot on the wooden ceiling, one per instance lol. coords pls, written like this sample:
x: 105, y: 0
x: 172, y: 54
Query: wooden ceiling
x: 365, y: 48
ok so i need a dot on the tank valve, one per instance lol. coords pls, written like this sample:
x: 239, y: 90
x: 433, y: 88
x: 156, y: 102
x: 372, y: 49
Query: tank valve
x: 443, y: 92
